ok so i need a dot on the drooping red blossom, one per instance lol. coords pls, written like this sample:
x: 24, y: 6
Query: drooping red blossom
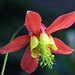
x: 40, y: 41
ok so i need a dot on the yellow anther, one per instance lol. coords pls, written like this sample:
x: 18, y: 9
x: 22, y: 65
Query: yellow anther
x: 41, y: 63
x: 45, y: 64
x: 52, y: 56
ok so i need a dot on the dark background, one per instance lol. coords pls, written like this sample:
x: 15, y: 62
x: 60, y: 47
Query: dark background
x: 12, y: 16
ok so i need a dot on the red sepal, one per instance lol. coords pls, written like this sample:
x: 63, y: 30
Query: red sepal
x: 16, y: 44
x: 28, y: 63
x: 62, y: 22
x: 33, y: 22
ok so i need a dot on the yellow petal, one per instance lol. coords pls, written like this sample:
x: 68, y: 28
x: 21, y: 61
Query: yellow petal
x: 47, y: 40
x: 33, y: 42
x: 34, y: 53
x: 53, y: 46
x: 44, y: 39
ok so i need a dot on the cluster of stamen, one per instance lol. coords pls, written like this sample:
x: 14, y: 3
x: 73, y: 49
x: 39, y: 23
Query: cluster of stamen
x: 47, y: 58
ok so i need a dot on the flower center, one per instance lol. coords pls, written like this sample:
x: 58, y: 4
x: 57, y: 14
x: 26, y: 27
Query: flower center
x: 40, y: 46
x: 47, y: 58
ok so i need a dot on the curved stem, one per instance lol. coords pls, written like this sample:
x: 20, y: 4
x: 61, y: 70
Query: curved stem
x: 20, y: 28
x: 6, y: 56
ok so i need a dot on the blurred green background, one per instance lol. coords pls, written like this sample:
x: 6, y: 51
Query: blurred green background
x: 12, y: 16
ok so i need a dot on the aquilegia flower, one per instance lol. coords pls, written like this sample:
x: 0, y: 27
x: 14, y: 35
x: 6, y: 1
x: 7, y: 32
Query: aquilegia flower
x: 40, y: 41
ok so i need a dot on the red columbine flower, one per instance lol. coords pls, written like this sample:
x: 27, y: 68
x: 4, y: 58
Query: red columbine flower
x: 40, y: 40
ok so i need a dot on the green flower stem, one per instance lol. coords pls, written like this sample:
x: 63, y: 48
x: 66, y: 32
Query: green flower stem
x: 4, y: 64
x: 6, y: 56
